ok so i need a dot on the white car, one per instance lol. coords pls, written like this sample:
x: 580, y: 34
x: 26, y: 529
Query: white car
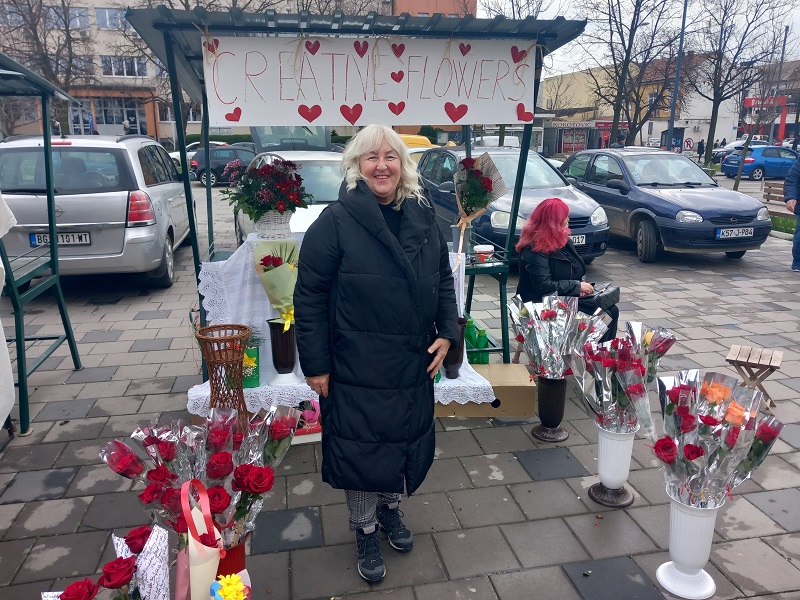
x: 322, y: 176
x: 190, y: 150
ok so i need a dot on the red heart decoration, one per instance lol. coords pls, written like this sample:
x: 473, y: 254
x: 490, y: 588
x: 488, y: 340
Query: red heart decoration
x: 522, y: 114
x: 517, y: 54
x: 351, y: 113
x: 397, y: 108
x: 312, y: 46
x: 309, y: 113
x: 361, y: 48
x: 398, y: 76
x: 455, y: 112
x: 465, y: 48
x: 212, y: 47
x: 398, y: 49
x: 235, y: 115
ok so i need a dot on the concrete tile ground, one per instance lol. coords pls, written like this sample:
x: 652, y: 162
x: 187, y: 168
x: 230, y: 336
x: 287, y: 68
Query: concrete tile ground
x: 485, y: 529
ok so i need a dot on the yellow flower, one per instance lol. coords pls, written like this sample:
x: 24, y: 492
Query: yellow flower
x: 232, y: 587
x: 249, y: 361
x: 648, y: 337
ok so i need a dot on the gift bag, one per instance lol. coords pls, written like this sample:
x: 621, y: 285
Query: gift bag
x: 203, y: 560
x: 152, y: 564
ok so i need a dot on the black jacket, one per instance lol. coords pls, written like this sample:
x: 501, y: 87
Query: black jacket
x: 367, y: 307
x: 544, y: 274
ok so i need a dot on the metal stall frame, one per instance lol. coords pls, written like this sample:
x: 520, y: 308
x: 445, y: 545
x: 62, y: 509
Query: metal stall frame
x: 176, y: 36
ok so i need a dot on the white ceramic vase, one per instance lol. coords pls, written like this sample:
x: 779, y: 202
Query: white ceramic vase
x: 274, y: 225
x: 613, y: 466
x: 691, y: 531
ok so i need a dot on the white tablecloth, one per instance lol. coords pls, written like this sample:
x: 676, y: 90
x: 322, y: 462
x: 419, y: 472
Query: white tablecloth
x: 232, y: 293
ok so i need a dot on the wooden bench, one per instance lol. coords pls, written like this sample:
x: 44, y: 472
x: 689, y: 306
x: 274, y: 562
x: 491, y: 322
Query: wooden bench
x: 755, y: 365
x: 772, y: 196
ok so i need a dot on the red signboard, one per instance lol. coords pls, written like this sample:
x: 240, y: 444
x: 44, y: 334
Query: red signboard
x: 765, y: 102
x: 573, y: 140
x: 608, y: 124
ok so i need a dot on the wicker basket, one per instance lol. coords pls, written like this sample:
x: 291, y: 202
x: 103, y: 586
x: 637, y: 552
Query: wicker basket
x: 223, y: 349
x: 274, y: 225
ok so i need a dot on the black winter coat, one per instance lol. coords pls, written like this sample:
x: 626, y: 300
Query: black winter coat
x: 367, y: 307
x: 544, y: 274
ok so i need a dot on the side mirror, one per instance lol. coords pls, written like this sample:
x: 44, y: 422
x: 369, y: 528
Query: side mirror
x: 572, y: 180
x: 448, y: 187
x: 620, y: 185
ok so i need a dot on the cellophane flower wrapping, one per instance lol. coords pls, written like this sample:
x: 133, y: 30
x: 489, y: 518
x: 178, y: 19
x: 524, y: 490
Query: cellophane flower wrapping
x: 478, y: 183
x: 711, y: 442
x: 278, y: 277
x: 228, y: 458
x: 651, y: 344
x: 605, y: 396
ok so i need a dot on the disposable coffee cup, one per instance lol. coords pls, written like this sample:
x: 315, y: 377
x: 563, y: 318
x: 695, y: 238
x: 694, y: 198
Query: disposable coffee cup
x: 483, y: 252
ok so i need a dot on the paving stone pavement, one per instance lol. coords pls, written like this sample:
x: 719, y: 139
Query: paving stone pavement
x: 500, y: 516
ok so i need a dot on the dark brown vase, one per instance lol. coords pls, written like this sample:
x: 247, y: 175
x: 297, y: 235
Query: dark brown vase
x: 283, y: 347
x: 551, y: 395
x: 455, y: 355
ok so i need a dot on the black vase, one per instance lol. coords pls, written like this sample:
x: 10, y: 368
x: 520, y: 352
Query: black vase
x: 551, y: 395
x: 284, y: 352
x: 455, y: 355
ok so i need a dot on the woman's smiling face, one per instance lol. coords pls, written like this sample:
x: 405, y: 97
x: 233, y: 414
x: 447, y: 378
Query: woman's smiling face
x: 381, y: 170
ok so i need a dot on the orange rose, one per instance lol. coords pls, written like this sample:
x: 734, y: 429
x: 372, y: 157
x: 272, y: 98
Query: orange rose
x: 735, y: 415
x: 715, y: 392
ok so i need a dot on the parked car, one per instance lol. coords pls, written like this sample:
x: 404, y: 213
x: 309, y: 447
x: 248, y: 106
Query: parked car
x: 761, y: 162
x: 666, y: 201
x: 219, y: 157
x: 322, y: 177
x: 416, y: 154
x: 718, y: 154
x: 191, y: 149
x: 120, y: 203
x: 246, y: 145
x: 587, y: 220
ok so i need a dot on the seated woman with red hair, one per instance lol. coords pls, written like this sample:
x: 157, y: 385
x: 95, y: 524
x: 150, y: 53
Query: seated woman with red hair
x: 549, y: 263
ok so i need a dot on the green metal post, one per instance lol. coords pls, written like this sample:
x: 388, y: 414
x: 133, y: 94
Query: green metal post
x: 207, y: 152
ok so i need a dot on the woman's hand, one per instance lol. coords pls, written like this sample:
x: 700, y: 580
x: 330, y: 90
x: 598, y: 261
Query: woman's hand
x: 586, y: 288
x: 439, y: 350
x: 319, y: 383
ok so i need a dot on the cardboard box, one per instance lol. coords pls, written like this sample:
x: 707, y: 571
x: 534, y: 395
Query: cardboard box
x: 513, y: 389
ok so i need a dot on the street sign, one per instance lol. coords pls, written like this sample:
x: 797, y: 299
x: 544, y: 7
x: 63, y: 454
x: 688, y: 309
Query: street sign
x: 688, y: 144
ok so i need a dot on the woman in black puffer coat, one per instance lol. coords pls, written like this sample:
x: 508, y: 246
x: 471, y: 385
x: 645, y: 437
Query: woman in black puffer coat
x: 375, y: 312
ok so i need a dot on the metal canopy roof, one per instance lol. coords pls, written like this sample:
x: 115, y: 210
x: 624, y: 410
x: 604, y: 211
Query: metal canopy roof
x: 16, y: 80
x: 188, y: 28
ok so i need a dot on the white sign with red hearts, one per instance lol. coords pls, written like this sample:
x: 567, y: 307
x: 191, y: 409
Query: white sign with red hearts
x: 357, y: 81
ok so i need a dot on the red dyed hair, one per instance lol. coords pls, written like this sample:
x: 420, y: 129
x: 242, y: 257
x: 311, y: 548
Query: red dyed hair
x: 544, y: 231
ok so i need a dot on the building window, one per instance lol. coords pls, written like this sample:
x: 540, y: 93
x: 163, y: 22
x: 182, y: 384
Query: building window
x: 121, y: 111
x: 58, y: 17
x: 422, y: 14
x: 111, y: 18
x: 124, y: 66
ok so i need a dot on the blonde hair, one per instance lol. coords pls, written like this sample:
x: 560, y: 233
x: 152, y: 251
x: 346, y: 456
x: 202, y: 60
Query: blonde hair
x: 370, y: 139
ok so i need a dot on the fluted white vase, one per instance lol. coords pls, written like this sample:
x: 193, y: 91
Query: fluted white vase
x: 691, y: 531
x: 613, y: 466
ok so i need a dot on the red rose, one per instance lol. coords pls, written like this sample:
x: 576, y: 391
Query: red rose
x: 220, y: 465
x: 688, y: 423
x: 171, y: 501
x: 152, y: 493
x: 122, y: 459
x: 766, y: 432
x: 582, y: 326
x: 179, y: 525
x: 487, y: 184
x: 682, y: 410
x: 710, y: 421
x: 137, y: 538
x: 240, y: 478
x: 218, y: 499
x: 567, y: 372
x: 150, y: 440
x: 691, y: 451
x: 520, y: 338
x: 259, y: 480
x: 118, y: 573
x: 237, y: 440
x: 468, y: 163
x: 160, y: 474
x: 80, y: 590
x: 666, y: 450
x: 731, y: 437
x: 218, y: 436
x: 608, y: 362
x: 548, y: 314
x: 209, y: 539
x: 280, y: 429
x: 615, y: 343
x: 167, y: 451
x: 636, y: 389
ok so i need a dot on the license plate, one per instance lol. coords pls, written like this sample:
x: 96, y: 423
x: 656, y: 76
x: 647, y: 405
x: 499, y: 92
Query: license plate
x: 578, y: 240
x: 64, y: 239
x: 734, y: 232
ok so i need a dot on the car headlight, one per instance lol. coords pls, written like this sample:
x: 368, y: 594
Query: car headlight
x: 688, y: 216
x: 599, y: 217
x: 500, y: 219
x: 763, y: 214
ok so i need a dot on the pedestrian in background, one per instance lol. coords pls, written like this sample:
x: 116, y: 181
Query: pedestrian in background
x: 716, y: 144
x: 620, y: 143
x: 724, y: 142
x: 701, y: 149
x: 791, y: 191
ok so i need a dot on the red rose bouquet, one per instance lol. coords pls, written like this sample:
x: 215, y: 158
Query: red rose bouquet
x: 276, y: 265
x: 716, y: 435
x: 279, y: 435
x: 277, y: 186
x: 651, y: 344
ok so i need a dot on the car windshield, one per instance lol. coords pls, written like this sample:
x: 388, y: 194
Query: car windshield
x: 538, y: 174
x: 291, y: 138
x: 322, y: 179
x: 665, y: 169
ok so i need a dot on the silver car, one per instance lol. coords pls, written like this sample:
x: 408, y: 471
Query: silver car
x: 322, y: 176
x: 120, y: 204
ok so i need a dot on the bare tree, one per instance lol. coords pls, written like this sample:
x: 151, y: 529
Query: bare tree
x: 736, y: 38
x: 516, y: 9
x: 557, y: 93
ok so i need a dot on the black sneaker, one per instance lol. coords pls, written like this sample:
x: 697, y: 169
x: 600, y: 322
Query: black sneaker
x: 370, y: 559
x: 389, y: 519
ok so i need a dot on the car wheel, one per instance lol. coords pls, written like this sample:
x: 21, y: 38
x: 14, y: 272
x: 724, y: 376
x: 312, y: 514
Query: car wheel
x: 164, y: 275
x: 212, y: 176
x: 730, y: 175
x: 757, y: 174
x: 737, y: 254
x: 646, y: 241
